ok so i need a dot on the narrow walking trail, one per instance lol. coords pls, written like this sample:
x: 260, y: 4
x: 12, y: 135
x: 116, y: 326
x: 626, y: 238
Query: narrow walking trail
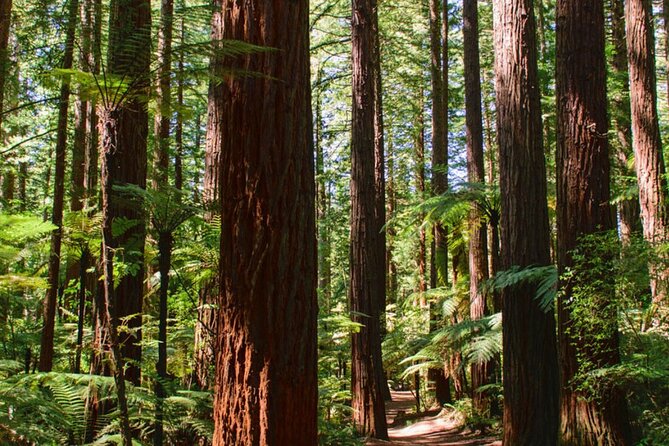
x: 430, y: 429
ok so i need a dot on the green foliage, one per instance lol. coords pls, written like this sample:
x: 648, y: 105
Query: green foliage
x: 53, y: 408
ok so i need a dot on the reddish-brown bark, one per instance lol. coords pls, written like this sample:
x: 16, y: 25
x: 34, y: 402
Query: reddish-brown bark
x: 646, y: 141
x: 583, y: 196
x: 367, y: 285
x: 266, y: 360
x: 49, y: 311
x: 628, y: 209
x: 478, y: 233
x: 126, y: 163
x: 529, y: 349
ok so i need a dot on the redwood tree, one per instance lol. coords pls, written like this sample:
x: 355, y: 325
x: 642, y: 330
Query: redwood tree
x: 478, y: 233
x: 46, y: 343
x: 205, y: 328
x: 629, y: 210
x: 583, y: 197
x: 530, y: 371
x: 648, y: 158
x: 124, y: 118
x: 266, y: 361
x: 367, y: 282
x: 439, y: 83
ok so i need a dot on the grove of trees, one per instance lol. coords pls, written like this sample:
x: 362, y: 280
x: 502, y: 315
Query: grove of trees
x: 274, y: 222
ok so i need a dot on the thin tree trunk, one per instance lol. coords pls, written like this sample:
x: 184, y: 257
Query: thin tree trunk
x: 628, y: 209
x: 206, y: 328
x: 163, y: 96
x: 647, y: 143
x: 478, y: 235
x: 530, y: 358
x: 92, y: 156
x: 109, y: 314
x: 46, y: 343
x: 83, y: 265
x: 380, y: 183
x: 165, y: 242
x: 179, y: 130
x: 5, y: 23
x: 367, y: 287
x: 439, y: 78
x: 267, y: 342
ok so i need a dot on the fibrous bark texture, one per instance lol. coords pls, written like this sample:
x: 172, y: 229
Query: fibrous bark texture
x: 530, y: 356
x: 583, y: 196
x: 129, y: 55
x: 478, y: 232
x: 266, y: 386
x: 367, y: 287
x: 648, y: 158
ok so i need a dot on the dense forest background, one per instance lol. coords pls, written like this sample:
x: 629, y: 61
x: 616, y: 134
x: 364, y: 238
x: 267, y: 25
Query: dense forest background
x: 244, y: 223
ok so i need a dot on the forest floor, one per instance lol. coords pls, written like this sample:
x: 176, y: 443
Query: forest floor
x: 426, y: 429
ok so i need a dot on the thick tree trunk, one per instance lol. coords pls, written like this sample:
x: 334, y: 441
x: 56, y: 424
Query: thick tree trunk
x: 46, y: 343
x: 629, y: 209
x: 367, y: 287
x: 478, y: 232
x: 267, y: 341
x: 583, y: 196
x: 530, y: 358
x: 163, y: 96
x: 648, y: 158
x: 129, y: 54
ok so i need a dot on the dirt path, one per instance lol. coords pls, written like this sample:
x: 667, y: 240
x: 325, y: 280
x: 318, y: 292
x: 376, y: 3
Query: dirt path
x: 428, y: 430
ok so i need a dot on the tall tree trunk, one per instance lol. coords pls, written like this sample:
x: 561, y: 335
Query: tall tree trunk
x: 583, y: 196
x: 438, y: 25
x: 391, y: 265
x: 163, y: 96
x: 530, y: 370
x: 629, y: 209
x: 324, y: 242
x: 127, y: 128
x: 46, y: 343
x: 91, y: 162
x: 267, y: 358
x: 421, y: 255
x: 165, y: 242
x: 207, y: 321
x: 179, y: 130
x: 380, y: 182
x: 478, y: 235
x: 439, y: 79
x: 5, y: 23
x: 648, y: 158
x: 108, y: 312
x: 367, y: 287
